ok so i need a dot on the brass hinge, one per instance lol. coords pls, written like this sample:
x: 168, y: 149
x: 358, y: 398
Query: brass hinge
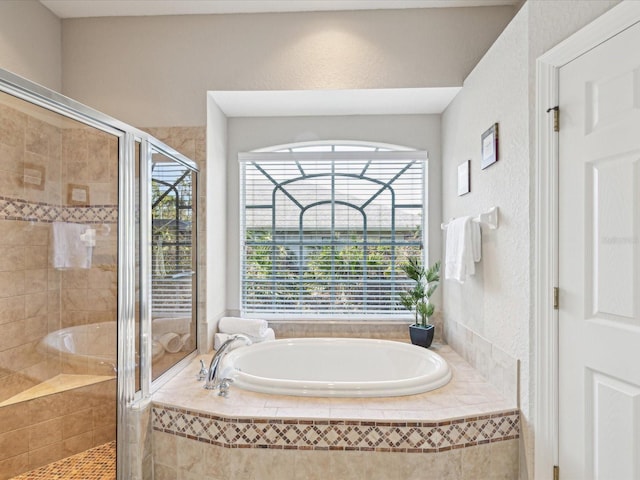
x: 556, y: 117
x: 556, y: 298
x: 556, y: 472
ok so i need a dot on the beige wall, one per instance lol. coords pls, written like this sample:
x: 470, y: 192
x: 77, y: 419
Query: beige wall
x: 493, y: 308
x: 31, y: 42
x: 215, y: 222
x: 157, y: 70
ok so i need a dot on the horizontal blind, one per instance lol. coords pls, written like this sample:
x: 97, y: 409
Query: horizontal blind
x: 172, y: 257
x: 325, y: 233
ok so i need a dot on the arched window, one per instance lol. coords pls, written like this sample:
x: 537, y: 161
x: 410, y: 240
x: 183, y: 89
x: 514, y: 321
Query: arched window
x: 326, y: 225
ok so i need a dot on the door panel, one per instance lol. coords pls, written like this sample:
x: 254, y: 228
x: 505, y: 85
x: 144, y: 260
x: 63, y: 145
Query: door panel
x: 599, y: 270
x: 613, y: 424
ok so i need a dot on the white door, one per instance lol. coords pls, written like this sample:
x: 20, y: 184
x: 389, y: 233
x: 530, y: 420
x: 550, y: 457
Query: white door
x: 599, y: 262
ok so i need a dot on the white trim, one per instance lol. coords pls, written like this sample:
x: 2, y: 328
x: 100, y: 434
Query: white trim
x: 339, y: 156
x: 548, y: 65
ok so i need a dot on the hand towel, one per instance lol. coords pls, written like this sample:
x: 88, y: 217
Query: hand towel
x: 70, y: 247
x: 248, y: 326
x: 220, y: 338
x: 171, y: 342
x: 463, y: 248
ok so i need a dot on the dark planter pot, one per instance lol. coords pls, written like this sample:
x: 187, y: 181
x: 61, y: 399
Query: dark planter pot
x: 421, y: 336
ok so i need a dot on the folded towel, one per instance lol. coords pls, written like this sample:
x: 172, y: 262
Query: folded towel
x: 161, y: 325
x: 220, y: 338
x: 462, y: 248
x: 248, y: 326
x: 171, y: 342
x: 72, y: 245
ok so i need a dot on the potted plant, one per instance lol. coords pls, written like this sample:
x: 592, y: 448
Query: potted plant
x: 417, y: 299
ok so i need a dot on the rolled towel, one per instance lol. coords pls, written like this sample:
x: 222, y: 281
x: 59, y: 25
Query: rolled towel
x: 171, y: 342
x: 251, y: 327
x: 186, y: 342
x: 157, y: 351
x: 162, y: 325
x: 220, y: 338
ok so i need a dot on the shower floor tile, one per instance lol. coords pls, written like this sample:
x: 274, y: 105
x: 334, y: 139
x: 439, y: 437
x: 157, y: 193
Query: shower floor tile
x: 98, y: 463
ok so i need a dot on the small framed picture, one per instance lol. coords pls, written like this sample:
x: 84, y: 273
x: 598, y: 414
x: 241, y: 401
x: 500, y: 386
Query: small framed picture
x: 77, y: 194
x: 489, y: 146
x: 464, y: 178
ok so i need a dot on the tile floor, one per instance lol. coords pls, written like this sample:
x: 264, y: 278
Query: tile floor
x: 98, y: 463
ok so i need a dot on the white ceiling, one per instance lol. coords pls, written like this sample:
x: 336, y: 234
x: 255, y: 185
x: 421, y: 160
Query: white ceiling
x: 117, y: 8
x: 334, y: 102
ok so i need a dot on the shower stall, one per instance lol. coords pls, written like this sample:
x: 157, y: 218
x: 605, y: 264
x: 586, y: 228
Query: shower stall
x: 97, y: 279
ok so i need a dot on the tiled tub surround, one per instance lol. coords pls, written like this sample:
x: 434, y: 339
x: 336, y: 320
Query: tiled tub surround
x: 464, y: 430
x: 498, y: 367
x: 349, y: 328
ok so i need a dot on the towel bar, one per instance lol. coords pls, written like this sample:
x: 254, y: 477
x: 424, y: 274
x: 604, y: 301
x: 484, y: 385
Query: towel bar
x: 487, y: 219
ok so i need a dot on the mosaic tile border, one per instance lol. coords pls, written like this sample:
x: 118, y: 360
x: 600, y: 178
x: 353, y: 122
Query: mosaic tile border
x: 341, y: 435
x: 16, y: 209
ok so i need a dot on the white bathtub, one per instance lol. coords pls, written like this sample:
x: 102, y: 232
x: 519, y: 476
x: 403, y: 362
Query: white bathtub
x: 88, y: 349
x: 84, y: 349
x: 336, y: 367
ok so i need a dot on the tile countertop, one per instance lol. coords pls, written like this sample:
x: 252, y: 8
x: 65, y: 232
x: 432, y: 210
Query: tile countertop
x: 468, y: 394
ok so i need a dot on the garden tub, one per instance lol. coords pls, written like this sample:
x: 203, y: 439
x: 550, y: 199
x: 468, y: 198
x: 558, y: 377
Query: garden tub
x: 336, y: 367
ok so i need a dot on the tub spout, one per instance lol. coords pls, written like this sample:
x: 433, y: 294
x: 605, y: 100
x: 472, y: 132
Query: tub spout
x: 212, y: 379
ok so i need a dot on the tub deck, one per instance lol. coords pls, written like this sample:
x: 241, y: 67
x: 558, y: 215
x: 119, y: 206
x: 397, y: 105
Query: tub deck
x: 468, y: 394
x: 463, y: 431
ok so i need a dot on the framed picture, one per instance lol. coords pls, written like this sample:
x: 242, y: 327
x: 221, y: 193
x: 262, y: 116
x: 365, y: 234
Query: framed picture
x: 464, y: 178
x: 77, y: 194
x: 489, y: 146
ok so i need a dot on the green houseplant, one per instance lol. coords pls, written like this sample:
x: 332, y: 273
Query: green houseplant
x: 418, y: 298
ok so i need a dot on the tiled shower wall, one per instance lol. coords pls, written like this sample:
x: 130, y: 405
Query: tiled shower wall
x: 39, y: 160
x: 46, y: 429
x: 191, y: 142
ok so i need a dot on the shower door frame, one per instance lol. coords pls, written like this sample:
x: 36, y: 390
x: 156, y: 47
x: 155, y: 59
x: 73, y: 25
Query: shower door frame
x: 128, y: 137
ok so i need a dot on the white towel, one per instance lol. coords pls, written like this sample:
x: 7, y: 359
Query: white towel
x: 220, y: 338
x: 171, y: 342
x: 72, y: 246
x: 161, y: 325
x: 186, y: 342
x: 463, y: 248
x: 157, y: 351
x: 248, y: 326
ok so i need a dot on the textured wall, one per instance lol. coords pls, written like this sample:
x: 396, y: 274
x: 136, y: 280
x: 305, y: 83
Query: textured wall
x: 156, y: 70
x: 495, y: 305
x: 31, y: 42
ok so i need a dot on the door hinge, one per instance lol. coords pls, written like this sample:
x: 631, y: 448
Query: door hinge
x: 556, y: 472
x: 556, y: 117
x: 556, y: 298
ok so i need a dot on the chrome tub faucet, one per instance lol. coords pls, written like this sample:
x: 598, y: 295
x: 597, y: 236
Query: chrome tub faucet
x: 212, y: 377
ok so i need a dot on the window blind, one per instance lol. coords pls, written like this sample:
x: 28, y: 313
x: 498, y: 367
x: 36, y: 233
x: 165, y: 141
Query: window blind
x: 324, y: 233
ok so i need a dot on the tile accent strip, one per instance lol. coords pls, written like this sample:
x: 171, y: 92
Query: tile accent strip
x: 354, y: 435
x: 16, y: 209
